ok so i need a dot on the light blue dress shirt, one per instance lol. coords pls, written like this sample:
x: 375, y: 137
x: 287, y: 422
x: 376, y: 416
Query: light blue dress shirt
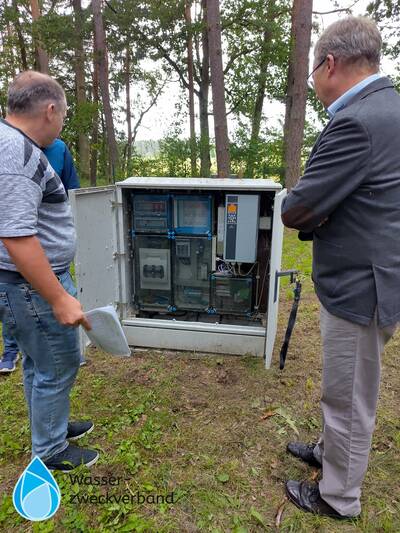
x: 348, y: 95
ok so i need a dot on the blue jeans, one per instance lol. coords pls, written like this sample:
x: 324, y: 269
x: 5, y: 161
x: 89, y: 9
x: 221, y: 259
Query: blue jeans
x: 10, y: 344
x: 51, y: 357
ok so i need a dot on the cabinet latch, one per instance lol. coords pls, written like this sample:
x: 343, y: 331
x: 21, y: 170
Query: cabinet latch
x: 281, y: 274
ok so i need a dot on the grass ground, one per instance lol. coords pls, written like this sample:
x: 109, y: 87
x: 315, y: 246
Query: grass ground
x: 210, y: 429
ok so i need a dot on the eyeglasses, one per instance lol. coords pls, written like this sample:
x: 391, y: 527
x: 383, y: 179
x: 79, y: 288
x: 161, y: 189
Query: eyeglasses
x: 310, y: 80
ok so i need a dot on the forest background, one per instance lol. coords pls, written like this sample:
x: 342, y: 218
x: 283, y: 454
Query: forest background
x: 183, y: 87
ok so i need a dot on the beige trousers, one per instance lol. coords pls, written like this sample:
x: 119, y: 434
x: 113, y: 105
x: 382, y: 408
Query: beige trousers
x: 350, y: 388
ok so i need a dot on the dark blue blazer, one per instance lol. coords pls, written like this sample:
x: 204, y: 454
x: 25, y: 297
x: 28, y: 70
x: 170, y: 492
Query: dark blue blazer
x: 352, y: 178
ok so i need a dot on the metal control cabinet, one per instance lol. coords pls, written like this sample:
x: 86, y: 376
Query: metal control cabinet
x: 140, y: 250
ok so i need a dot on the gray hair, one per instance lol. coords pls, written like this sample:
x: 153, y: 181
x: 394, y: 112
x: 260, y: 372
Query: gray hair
x: 352, y: 39
x: 31, y: 90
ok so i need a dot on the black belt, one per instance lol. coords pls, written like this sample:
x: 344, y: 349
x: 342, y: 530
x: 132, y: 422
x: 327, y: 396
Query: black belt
x: 292, y: 321
x: 9, y: 276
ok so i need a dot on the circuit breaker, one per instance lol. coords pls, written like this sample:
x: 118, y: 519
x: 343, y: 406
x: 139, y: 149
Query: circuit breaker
x: 153, y: 271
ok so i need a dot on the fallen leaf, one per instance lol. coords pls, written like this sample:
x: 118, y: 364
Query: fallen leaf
x: 268, y: 414
x: 279, y: 513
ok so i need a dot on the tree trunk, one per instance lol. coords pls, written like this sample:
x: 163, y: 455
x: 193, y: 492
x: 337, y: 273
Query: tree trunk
x: 104, y: 154
x: 205, y: 161
x: 296, y: 97
x: 95, y: 123
x: 41, y: 57
x: 260, y: 97
x: 3, y: 54
x: 21, y: 42
x: 80, y: 88
x: 128, y: 108
x: 218, y: 89
x: 101, y: 56
x: 9, y: 40
x: 193, y: 158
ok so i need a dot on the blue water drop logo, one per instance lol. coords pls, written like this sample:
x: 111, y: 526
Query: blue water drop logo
x: 36, y: 495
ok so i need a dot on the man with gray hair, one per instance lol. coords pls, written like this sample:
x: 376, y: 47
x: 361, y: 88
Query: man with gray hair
x: 37, y: 245
x: 348, y: 203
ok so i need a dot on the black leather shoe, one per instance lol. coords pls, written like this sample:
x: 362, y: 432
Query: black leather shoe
x: 306, y: 496
x: 304, y: 452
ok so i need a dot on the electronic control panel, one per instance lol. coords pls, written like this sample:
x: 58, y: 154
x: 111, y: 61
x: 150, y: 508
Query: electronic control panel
x: 192, y: 215
x: 151, y: 213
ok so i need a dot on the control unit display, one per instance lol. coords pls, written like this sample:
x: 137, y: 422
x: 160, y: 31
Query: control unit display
x: 151, y: 214
x: 193, y: 215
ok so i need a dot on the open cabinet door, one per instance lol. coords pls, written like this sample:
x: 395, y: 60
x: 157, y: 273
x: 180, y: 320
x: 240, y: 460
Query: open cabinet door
x: 96, y: 261
x: 275, y: 266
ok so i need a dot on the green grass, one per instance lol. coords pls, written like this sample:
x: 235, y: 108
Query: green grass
x: 193, y: 425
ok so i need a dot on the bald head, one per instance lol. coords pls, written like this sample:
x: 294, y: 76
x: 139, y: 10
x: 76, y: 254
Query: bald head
x: 31, y: 91
x: 37, y: 106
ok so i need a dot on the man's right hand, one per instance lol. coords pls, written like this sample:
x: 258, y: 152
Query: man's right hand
x: 68, y: 311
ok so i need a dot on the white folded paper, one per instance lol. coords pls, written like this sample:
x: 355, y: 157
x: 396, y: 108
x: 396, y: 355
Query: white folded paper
x: 107, y: 333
